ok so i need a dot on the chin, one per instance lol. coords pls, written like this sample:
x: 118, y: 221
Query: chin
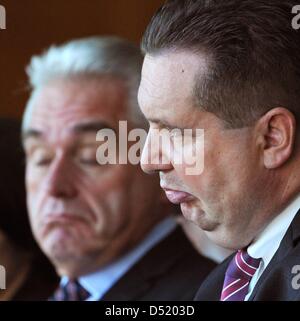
x: 197, y: 216
x: 190, y: 212
x: 61, y: 243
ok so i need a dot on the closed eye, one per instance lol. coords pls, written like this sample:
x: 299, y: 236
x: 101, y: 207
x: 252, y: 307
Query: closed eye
x: 40, y: 157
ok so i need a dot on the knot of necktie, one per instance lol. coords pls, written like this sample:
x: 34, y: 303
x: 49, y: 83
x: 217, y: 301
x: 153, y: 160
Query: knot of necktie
x: 71, y: 291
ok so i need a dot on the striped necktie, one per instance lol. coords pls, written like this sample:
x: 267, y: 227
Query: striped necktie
x: 71, y: 291
x: 238, y: 276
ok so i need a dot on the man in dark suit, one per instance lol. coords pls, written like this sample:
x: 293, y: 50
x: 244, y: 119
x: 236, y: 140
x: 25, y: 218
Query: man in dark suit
x: 102, y: 222
x: 171, y: 270
x: 231, y: 69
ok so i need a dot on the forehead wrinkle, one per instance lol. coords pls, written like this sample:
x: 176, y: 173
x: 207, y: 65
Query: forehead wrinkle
x: 60, y: 105
x: 53, y: 131
x: 68, y: 108
x: 52, y: 121
x: 69, y: 118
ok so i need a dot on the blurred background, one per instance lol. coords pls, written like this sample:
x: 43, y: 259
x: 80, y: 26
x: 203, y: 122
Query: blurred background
x: 33, y: 25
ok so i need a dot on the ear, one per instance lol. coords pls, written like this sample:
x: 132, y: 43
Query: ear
x: 277, y: 129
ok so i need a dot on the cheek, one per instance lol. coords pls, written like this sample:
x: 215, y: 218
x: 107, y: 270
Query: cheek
x: 212, y: 180
x: 33, y: 183
x: 209, y: 178
x: 106, y: 196
x: 33, y: 198
x: 110, y: 213
x: 228, y: 172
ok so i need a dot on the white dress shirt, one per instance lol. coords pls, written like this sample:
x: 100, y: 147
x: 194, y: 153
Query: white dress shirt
x: 98, y: 283
x: 268, y: 242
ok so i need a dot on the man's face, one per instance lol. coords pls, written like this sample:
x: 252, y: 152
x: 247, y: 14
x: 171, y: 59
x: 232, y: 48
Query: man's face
x: 78, y: 208
x: 225, y: 199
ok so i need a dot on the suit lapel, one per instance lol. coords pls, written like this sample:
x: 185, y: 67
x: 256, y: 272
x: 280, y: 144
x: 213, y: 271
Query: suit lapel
x: 128, y: 288
x: 287, y: 244
x: 211, y: 288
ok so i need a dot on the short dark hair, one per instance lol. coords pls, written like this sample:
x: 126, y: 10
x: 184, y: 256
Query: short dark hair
x: 253, y: 50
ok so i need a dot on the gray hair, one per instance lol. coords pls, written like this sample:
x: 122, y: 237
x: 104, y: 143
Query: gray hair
x: 101, y: 56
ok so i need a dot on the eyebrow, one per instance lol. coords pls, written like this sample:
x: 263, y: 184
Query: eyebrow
x: 31, y: 133
x: 89, y: 127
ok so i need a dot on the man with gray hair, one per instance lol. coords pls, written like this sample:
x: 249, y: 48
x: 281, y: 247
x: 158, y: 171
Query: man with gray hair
x: 106, y: 228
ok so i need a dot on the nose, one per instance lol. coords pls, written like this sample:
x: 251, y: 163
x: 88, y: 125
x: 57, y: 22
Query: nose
x: 156, y: 155
x: 60, y: 181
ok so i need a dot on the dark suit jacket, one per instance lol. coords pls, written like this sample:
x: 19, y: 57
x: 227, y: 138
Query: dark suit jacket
x: 172, y: 270
x: 275, y: 284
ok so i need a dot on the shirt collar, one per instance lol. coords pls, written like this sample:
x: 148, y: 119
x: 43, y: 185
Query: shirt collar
x: 99, y: 282
x: 267, y: 243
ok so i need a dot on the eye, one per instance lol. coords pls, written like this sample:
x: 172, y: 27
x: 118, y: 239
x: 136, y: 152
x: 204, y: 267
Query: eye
x: 90, y: 162
x: 87, y: 156
x: 40, y: 157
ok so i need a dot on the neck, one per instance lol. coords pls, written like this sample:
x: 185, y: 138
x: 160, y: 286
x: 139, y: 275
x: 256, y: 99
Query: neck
x: 79, y: 266
x: 281, y: 192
